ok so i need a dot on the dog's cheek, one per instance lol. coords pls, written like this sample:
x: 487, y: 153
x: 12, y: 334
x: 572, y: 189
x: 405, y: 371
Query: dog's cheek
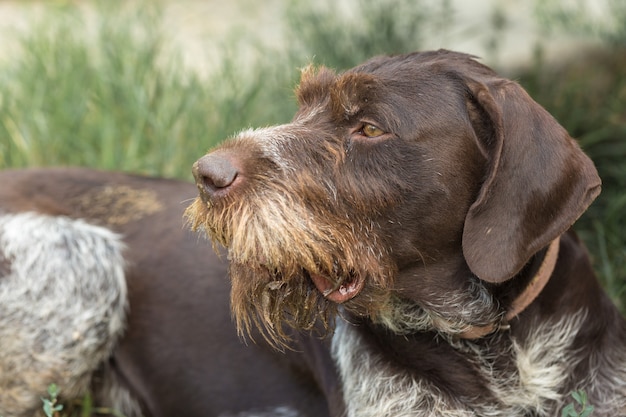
x: 263, y: 303
x: 374, y: 177
x: 442, y: 181
x: 426, y: 278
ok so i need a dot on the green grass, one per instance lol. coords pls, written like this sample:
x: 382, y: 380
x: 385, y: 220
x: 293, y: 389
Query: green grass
x: 371, y: 28
x: 114, y: 97
x: 578, y: 408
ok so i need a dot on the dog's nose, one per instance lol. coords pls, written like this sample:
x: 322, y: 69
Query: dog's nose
x: 214, y: 173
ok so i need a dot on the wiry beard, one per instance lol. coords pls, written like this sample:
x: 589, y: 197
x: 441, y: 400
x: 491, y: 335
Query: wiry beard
x: 274, y: 244
x: 264, y: 300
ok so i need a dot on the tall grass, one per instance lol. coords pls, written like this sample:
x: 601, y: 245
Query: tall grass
x: 107, y: 90
x: 605, y: 19
x: 369, y: 28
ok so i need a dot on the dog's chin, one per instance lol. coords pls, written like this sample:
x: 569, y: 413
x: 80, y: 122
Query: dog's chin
x: 267, y: 301
x: 282, y: 282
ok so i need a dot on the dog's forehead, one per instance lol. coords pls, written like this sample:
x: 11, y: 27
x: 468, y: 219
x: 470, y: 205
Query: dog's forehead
x: 412, y: 83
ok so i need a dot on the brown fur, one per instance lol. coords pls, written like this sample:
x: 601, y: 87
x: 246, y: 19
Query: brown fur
x: 432, y: 227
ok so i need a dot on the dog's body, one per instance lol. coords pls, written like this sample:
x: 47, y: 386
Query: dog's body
x: 419, y: 203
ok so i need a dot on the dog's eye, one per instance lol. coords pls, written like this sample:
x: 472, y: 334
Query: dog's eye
x: 371, y: 131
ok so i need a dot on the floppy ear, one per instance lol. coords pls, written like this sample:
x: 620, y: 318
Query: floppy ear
x: 537, y: 182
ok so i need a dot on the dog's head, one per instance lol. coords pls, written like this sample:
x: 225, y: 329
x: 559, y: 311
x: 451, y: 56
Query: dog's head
x: 417, y: 177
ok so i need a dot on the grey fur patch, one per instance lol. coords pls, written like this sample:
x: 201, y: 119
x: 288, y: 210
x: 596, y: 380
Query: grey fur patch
x: 537, y: 385
x: 62, y: 306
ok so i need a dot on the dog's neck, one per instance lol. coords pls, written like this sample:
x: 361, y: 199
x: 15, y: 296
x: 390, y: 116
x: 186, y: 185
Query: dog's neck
x: 525, y: 298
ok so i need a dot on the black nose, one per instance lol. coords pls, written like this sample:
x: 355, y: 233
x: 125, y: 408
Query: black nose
x: 214, y: 173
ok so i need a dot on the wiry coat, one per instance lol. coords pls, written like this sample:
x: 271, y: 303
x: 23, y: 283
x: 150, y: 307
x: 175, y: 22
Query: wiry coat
x: 421, y: 192
x: 404, y: 211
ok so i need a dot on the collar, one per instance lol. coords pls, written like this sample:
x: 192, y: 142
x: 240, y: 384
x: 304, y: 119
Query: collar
x: 524, y: 299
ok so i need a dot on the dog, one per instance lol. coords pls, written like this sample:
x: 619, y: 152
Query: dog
x: 419, y: 205
x: 401, y: 248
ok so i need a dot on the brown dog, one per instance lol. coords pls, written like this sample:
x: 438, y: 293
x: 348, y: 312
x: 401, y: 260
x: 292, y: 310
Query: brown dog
x: 429, y: 198
x: 417, y: 205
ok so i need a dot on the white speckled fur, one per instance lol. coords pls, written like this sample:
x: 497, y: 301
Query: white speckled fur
x: 543, y: 363
x: 62, y: 306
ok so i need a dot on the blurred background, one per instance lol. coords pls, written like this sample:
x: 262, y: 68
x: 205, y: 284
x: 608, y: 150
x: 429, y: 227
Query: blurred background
x: 149, y: 86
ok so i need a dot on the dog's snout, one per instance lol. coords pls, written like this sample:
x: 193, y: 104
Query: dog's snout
x: 215, y: 173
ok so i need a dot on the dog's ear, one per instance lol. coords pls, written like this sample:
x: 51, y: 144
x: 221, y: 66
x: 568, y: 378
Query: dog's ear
x: 537, y: 180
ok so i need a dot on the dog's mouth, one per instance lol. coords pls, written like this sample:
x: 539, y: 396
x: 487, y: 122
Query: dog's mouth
x: 287, y: 277
x: 341, y: 293
x: 274, y: 300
